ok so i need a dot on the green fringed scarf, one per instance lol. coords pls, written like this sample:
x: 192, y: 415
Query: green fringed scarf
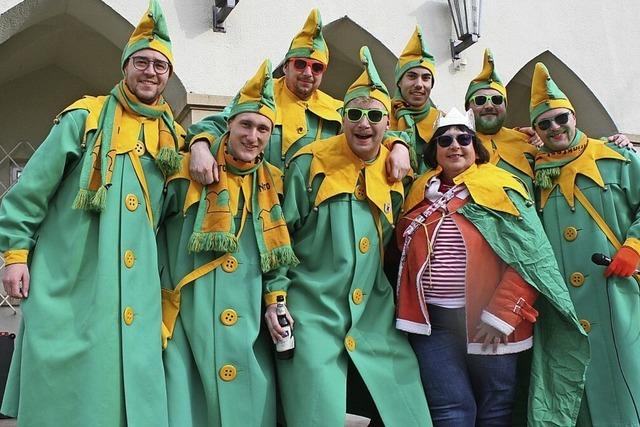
x: 97, y: 168
x: 215, y: 229
x: 548, y: 163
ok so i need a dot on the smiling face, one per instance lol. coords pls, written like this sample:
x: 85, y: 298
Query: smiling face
x: 455, y: 158
x: 248, y: 135
x: 364, y: 138
x: 147, y: 85
x: 558, y: 136
x: 415, y: 86
x: 301, y: 82
x: 489, y: 117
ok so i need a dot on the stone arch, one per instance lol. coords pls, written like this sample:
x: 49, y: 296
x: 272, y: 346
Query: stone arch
x: 592, y: 117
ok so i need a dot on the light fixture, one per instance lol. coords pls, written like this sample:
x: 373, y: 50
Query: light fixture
x: 466, y: 21
x: 222, y: 9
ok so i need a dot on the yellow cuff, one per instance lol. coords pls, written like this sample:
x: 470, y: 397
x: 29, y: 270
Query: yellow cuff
x: 199, y: 137
x: 271, y: 297
x: 633, y: 244
x: 16, y: 256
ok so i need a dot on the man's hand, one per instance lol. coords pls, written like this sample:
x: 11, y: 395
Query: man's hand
x: 622, y: 141
x: 15, y: 279
x: 624, y: 263
x: 491, y: 336
x: 271, y: 318
x: 534, y: 139
x: 398, y: 163
x: 202, y: 166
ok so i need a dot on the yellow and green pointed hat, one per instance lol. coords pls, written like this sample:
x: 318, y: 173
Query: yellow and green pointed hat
x: 415, y: 54
x: 151, y: 33
x: 545, y: 94
x: 256, y: 96
x: 487, y: 79
x: 369, y: 83
x: 309, y: 42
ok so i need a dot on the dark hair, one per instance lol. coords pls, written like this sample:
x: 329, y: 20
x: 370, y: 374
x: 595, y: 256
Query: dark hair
x: 429, y: 153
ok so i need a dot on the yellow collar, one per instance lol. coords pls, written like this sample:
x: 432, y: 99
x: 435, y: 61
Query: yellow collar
x: 585, y: 165
x: 291, y: 112
x: 509, y: 146
x: 341, y: 168
x: 487, y: 185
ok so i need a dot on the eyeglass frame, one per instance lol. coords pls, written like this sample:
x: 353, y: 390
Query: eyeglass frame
x: 488, y: 98
x: 365, y: 112
x: 308, y: 63
x: 553, y: 119
x: 149, y: 62
x: 455, y: 138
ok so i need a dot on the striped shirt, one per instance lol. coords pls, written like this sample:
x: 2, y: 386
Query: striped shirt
x: 442, y: 276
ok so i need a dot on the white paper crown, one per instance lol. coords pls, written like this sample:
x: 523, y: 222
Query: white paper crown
x: 455, y: 117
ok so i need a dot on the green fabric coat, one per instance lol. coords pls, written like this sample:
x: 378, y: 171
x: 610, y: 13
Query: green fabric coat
x: 611, y: 306
x: 76, y: 362
x: 202, y: 344
x: 322, y: 301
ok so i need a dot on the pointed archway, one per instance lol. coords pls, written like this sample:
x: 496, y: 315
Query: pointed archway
x: 593, y: 119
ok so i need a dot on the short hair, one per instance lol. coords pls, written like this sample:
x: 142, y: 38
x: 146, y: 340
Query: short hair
x: 429, y: 153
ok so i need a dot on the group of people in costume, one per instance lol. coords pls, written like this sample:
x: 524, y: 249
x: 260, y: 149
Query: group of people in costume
x: 435, y: 267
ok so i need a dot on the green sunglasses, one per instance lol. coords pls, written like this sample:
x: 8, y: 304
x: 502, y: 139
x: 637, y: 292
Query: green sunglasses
x: 480, y: 100
x: 355, y: 114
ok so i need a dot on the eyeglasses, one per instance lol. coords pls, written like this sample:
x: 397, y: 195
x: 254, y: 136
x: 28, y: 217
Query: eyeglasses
x: 300, y: 64
x: 560, y: 119
x: 355, y: 114
x: 480, y: 100
x: 463, y: 139
x: 141, y: 63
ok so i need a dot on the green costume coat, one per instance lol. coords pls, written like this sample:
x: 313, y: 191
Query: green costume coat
x: 339, y: 297
x: 609, y: 309
x: 219, y: 363
x: 89, y: 348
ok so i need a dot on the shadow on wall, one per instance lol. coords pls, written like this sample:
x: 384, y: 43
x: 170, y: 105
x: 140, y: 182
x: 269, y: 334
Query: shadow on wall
x: 592, y: 118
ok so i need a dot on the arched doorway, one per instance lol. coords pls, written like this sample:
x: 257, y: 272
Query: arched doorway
x: 593, y: 119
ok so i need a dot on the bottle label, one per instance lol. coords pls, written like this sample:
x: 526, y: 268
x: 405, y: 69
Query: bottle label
x: 286, y: 343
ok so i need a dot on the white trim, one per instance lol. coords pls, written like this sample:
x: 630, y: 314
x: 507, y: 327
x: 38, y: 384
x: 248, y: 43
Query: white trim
x: 509, y: 348
x: 413, y: 327
x: 493, y: 320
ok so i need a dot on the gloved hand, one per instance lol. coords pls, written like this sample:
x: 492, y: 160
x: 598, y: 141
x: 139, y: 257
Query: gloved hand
x: 624, y: 263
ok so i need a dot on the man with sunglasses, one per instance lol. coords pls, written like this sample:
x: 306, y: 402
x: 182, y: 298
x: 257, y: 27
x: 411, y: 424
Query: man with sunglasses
x: 78, y: 231
x: 589, y: 199
x: 340, y: 209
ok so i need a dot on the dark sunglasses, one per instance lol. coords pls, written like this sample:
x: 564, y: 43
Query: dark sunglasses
x: 355, y: 114
x: 141, y: 63
x: 560, y: 119
x: 300, y: 64
x: 463, y: 139
x: 480, y: 100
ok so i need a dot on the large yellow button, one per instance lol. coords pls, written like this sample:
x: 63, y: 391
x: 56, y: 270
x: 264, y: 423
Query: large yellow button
x: 357, y: 296
x: 350, y: 343
x: 140, y: 149
x: 570, y: 234
x: 228, y: 373
x: 230, y: 264
x: 131, y: 202
x: 364, y: 245
x: 228, y: 317
x: 576, y: 279
x: 127, y: 316
x: 129, y: 258
x: 585, y: 325
x: 360, y: 192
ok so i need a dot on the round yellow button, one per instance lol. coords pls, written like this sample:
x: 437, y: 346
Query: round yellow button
x: 576, y: 279
x: 140, y: 149
x: 129, y: 258
x: 230, y: 264
x: 131, y: 202
x: 228, y: 373
x: 360, y: 192
x: 357, y: 296
x: 127, y: 316
x: 364, y: 245
x: 350, y: 343
x: 585, y: 325
x: 570, y: 234
x: 228, y: 317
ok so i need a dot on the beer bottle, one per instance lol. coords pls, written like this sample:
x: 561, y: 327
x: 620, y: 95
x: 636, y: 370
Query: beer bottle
x: 285, y: 346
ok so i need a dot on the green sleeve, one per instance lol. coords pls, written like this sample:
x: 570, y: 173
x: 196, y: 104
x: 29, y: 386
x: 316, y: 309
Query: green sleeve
x: 215, y: 125
x: 629, y: 182
x: 25, y: 205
